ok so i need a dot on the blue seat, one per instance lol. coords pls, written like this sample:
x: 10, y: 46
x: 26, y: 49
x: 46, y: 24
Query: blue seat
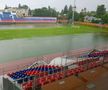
x: 25, y: 79
x: 20, y: 81
x: 31, y: 77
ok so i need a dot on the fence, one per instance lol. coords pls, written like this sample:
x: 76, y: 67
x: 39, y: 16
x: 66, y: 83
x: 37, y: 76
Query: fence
x: 25, y: 63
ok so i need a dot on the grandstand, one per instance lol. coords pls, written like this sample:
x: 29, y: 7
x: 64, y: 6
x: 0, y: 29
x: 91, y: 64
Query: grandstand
x: 8, y: 17
x: 41, y: 74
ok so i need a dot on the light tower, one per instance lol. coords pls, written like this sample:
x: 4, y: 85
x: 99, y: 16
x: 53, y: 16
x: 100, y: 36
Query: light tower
x: 73, y: 14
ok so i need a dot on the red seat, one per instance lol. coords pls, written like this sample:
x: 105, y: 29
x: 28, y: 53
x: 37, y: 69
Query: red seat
x: 92, y: 65
x: 82, y: 69
x: 95, y: 64
x: 72, y: 71
x: 68, y: 73
x: 48, y: 78
x: 36, y: 73
x: 76, y: 70
x: 61, y: 75
x: 79, y: 69
x: 45, y: 73
x: 43, y: 81
x: 41, y: 74
x: 9, y: 74
x: 53, y: 78
x: 28, y: 85
x: 57, y: 77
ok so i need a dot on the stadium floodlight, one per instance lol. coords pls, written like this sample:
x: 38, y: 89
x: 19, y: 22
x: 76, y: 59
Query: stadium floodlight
x: 73, y: 14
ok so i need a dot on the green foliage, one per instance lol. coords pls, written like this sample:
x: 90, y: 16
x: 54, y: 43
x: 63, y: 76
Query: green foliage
x: 101, y: 13
x: 77, y: 16
x: 105, y: 18
x: 65, y: 11
x: 91, y: 13
x: 81, y: 16
x: 101, y: 10
x: 96, y: 21
x: 69, y: 14
x: 68, y: 11
x: 6, y: 7
x: 45, y: 12
x: 23, y: 6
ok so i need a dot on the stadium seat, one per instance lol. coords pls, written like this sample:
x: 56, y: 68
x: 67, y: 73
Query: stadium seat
x: 44, y: 73
x: 20, y: 81
x: 42, y: 81
x: 28, y: 85
x: 69, y: 73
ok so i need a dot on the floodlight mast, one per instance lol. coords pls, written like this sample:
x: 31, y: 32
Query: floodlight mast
x: 73, y: 14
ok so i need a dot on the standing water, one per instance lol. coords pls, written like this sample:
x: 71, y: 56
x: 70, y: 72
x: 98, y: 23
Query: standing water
x: 17, y: 49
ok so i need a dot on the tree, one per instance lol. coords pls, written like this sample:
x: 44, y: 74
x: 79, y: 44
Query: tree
x: 69, y: 14
x: 81, y: 15
x: 101, y: 10
x: 19, y: 5
x: 70, y: 8
x: 29, y: 12
x: 105, y: 18
x: 91, y: 13
x: 65, y: 11
x: 45, y: 12
x: 85, y: 10
x: 24, y: 6
x: 76, y: 16
x: 6, y: 7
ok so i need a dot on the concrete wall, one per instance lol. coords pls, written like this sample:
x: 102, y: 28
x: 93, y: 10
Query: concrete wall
x: 8, y: 85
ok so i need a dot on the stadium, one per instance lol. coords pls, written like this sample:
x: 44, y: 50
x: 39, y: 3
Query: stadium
x: 53, y: 70
x: 11, y: 18
x: 46, y: 49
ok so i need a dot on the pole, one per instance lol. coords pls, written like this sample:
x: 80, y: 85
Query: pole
x: 73, y: 14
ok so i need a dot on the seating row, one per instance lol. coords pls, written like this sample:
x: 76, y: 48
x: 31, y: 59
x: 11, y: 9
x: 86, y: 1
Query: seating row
x: 36, y: 71
x: 51, y: 78
x: 100, y: 53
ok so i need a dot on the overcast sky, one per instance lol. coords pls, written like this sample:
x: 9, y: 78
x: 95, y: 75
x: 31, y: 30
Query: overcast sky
x: 57, y: 4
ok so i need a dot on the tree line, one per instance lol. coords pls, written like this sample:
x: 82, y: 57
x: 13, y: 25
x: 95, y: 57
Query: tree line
x: 67, y: 11
x: 101, y: 14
